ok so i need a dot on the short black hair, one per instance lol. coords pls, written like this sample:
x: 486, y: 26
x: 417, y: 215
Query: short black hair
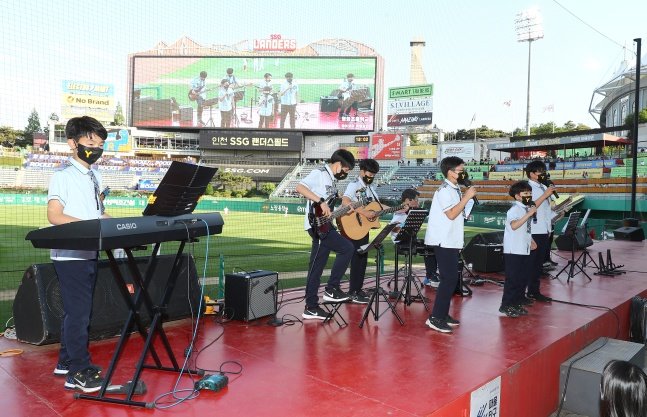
x: 534, y: 166
x: 77, y: 127
x: 267, y: 74
x: 346, y: 158
x: 410, y: 193
x: 203, y: 74
x: 449, y: 163
x: 230, y: 70
x: 518, y: 187
x: 350, y: 75
x: 223, y: 81
x: 370, y: 165
x: 288, y: 75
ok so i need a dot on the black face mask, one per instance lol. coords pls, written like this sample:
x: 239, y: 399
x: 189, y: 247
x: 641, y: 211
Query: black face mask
x: 542, y: 177
x: 368, y: 180
x: 527, y: 201
x: 88, y: 154
x: 341, y: 175
x: 464, y: 179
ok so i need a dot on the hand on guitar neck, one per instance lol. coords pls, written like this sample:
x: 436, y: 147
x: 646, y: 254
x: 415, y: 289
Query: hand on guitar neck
x: 195, y: 93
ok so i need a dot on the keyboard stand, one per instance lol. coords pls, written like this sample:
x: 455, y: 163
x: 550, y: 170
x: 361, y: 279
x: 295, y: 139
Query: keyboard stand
x: 155, y: 311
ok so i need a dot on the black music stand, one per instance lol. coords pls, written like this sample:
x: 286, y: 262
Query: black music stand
x: 407, y: 236
x: 379, y: 291
x: 571, y: 229
x: 177, y: 194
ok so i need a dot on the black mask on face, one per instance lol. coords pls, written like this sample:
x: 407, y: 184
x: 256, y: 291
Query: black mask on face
x: 527, y: 200
x: 464, y: 179
x: 542, y: 177
x: 341, y: 175
x: 368, y: 180
x: 88, y: 154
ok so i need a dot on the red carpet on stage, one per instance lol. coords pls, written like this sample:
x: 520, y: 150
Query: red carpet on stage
x: 312, y: 369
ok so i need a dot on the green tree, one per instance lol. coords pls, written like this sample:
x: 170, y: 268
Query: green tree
x: 642, y: 117
x: 233, y: 182
x: 268, y: 188
x: 9, y: 136
x: 33, y: 126
x: 119, y: 120
x: 413, y: 139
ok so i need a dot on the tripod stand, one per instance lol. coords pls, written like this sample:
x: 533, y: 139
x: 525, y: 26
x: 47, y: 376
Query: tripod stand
x: 379, y: 291
x: 407, y: 234
x: 275, y: 321
x: 571, y: 228
x: 209, y: 103
x: 461, y: 288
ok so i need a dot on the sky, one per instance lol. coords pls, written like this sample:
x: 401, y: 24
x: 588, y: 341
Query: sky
x: 471, y: 56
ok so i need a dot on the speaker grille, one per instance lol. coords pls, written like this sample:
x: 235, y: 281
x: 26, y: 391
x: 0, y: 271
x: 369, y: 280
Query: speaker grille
x: 250, y: 295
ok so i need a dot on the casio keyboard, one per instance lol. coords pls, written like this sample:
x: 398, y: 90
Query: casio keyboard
x: 125, y: 232
x: 128, y: 233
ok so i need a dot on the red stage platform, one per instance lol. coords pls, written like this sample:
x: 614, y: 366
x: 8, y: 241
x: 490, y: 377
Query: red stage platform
x: 312, y: 369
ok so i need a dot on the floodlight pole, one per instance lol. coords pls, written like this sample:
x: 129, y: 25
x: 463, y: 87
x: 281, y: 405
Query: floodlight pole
x: 634, y: 168
x: 528, y: 89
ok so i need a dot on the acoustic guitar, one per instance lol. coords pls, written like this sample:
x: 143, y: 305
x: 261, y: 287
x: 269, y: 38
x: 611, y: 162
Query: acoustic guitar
x: 355, y: 226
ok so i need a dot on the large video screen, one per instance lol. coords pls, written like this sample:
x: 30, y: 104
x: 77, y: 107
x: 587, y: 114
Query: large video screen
x: 236, y: 93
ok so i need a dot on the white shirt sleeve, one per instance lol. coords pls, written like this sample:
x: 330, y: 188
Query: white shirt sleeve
x: 447, y: 197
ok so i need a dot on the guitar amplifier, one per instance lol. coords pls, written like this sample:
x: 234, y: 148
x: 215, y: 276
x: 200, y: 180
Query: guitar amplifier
x: 250, y: 295
x: 488, y: 257
x: 147, y: 110
x: 186, y: 114
x: 328, y: 104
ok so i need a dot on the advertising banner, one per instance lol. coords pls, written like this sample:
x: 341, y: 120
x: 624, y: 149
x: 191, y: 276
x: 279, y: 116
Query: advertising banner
x: 421, y: 152
x: 386, y: 146
x: 464, y: 151
x: 253, y: 140
x: 359, y: 152
x: 84, y: 98
x: 409, y: 119
x: 514, y: 175
x: 255, y: 171
x: 411, y: 91
x: 411, y: 106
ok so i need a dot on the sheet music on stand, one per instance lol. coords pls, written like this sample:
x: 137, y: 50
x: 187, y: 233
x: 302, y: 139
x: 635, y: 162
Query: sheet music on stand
x: 377, y: 240
x: 411, y: 226
x: 571, y: 224
x: 180, y: 189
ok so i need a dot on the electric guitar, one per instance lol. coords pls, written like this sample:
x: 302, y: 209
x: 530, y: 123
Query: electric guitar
x: 321, y: 224
x: 355, y: 226
x: 194, y: 94
x: 561, y: 209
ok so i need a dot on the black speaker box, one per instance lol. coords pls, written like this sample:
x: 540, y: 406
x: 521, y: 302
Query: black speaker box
x: 250, y: 295
x: 186, y: 114
x: 38, y: 309
x: 488, y: 257
x: 146, y: 110
x: 329, y: 104
x: 582, y: 240
x: 635, y: 234
x: 492, y: 238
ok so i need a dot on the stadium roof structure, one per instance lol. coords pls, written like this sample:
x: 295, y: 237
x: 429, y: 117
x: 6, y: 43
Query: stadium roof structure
x: 586, y: 139
x: 622, y: 81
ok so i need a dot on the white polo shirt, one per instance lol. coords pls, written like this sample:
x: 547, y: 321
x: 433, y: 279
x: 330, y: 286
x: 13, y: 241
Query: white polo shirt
x: 358, y: 184
x: 517, y: 242
x: 322, y: 182
x: 441, y: 231
x: 74, y: 189
x: 399, y: 217
x: 544, y: 212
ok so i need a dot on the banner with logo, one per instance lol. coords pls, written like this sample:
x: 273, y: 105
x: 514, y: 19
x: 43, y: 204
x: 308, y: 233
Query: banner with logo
x: 411, y: 106
x: 514, y: 175
x: 359, y: 152
x: 465, y: 151
x: 251, y: 140
x: 409, y: 119
x: 84, y: 98
x: 421, y: 152
x: 386, y: 146
x: 274, y: 172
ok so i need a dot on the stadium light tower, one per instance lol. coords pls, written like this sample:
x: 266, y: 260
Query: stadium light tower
x: 528, y: 25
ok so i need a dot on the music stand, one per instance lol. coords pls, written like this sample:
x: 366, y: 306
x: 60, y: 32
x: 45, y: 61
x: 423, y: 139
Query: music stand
x: 379, y: 291
x: 177, y: 194
x: 407, y: 235
x: 571, y: 229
